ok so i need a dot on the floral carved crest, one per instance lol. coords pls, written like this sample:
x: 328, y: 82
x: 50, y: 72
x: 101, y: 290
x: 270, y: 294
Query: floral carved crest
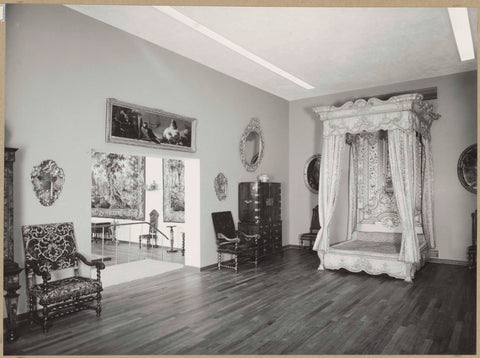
x: 221, y: 186
x: 47, y: 180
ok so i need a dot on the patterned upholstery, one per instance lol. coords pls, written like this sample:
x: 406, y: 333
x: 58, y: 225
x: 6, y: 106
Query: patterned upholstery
x: 51, y: 246
x: 65, y: 289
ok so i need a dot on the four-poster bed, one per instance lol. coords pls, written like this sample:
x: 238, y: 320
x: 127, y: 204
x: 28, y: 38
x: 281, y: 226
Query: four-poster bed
x: 390, y: 219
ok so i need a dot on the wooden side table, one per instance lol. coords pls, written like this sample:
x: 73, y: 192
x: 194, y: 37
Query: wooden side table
x: 171, y: 239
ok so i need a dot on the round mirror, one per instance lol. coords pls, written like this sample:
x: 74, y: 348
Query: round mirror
x: 252, y: 145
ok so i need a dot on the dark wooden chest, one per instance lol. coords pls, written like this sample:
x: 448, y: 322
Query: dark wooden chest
x: 259, y: 211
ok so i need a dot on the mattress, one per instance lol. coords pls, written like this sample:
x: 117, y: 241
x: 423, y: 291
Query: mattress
x: 389, y: 249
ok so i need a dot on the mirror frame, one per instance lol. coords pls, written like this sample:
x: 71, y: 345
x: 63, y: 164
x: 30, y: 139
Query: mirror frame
x: 253, y: 126
x: 467, y: 155
x: 307, y: 173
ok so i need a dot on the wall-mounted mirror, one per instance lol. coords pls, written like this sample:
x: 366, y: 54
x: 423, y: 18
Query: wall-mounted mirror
x: 252, y: 145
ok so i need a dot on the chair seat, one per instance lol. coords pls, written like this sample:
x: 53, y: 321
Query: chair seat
x: 64, y: 289
x: 308, y: 236
x: 230, y: 248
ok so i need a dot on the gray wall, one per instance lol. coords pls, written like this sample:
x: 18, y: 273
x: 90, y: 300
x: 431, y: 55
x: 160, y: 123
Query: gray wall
x: 451, y: 134
x: 60, y: 68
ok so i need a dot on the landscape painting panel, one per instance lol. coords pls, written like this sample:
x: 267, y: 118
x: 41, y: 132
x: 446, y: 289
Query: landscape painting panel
x: 173, y: 191
x: 118, y: 189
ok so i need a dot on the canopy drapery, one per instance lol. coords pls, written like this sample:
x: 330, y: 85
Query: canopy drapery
x: 407, y: 119
x: 333, y: 147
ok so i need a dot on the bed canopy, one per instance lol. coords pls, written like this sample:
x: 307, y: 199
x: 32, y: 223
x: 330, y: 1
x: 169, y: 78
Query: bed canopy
x: 390, y: 219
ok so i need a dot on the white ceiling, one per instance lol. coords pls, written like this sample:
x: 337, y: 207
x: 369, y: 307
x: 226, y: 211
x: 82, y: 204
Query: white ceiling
x: 333, y: 49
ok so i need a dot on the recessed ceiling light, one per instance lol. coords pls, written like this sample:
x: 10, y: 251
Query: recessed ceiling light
x: 461, y: 30
x: 232, y: 46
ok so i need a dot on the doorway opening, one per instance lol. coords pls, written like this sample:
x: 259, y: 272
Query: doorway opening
x: 145, y: 214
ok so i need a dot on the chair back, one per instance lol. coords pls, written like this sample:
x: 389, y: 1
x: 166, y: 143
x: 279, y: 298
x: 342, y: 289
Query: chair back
x: 315, y: 223
x: 223, y: 223
x: 153, y: 222
x: 51, y: 246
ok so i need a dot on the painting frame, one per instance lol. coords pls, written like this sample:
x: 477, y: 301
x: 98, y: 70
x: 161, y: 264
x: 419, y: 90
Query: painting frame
x: 467, y: 168
x: 311, y: 172
x: 128, y: 123
x: 133, y: 164
x: 173, y: 190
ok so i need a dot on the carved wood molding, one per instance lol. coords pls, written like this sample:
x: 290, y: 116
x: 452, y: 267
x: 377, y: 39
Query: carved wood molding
x: 405, y: 112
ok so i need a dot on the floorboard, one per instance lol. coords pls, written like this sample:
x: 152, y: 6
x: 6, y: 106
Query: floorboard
x: 285, y: 306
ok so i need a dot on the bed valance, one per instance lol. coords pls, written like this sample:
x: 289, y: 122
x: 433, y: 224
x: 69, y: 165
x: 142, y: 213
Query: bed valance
x: 406, y: 112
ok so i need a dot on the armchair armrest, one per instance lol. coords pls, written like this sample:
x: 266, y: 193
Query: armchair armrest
x: 223, y: 237
x: 248, y: 237
x: 35, y: 267
x: 98, y: 265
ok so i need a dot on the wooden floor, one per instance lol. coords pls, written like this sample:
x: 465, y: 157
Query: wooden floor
x: 123, y: 252
x: 285, y: 306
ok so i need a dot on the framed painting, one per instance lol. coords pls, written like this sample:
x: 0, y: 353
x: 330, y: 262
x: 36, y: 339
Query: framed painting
x: 118, y: 186
x: 173, y: 190
x: 137, y: 125
x: 311, y: 172
x: 467, y: 168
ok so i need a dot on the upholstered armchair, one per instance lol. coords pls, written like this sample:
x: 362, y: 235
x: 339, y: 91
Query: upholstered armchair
x: 49, y: 248
x: 230, y: 241
x: 152, y: 230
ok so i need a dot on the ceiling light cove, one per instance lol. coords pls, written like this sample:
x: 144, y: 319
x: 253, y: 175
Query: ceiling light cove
x: 167, y: 10
x: 461, y: 30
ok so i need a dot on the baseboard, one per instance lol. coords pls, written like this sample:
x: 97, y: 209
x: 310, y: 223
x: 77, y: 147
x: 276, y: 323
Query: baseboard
x: 208, y: 267
x: 447, y: 262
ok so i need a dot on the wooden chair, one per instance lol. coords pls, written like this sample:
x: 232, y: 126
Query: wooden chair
x: 230, y: 241
x: 104, y: 232
x: 152, y: 231
x: 314, y: 228
x: 472, y: 250
x: 49, y: 248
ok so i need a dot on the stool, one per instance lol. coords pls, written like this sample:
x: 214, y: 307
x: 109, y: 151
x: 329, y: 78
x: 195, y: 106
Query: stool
x: 310, y: 237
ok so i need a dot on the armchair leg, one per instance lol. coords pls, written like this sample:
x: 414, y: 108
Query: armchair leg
x: 236, y: 263
x: 45, y: 319
x: 219, y: 259
x: 31, y: 308
x: 99, y: 305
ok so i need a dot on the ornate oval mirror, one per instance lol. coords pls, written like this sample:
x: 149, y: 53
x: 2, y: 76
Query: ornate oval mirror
x: 467, y: 168
x: 252, y: 145
x: 311, y: 172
